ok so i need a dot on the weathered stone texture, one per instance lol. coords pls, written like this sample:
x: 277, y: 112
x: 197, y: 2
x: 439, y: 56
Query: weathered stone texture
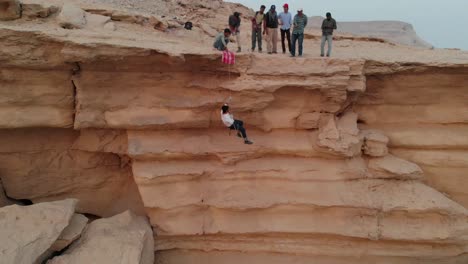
x: 359, y: 158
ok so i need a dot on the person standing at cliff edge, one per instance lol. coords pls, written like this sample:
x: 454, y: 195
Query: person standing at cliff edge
x: 234, y: 124
x: 257, y: 25
x: 271, y: 29
x: 222, y: 40
x: 285, y: 19
x: 299, y: 23
x: 234, y: 25
x: 328, y: 25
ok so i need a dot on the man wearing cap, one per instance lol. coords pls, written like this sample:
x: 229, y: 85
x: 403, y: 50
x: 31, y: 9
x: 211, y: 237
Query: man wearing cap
x: 257, y: 22
x: 328, y: 25
x: 285, y: 20
x: 271, y: 30
x: 299, y: 23
x: 234, y: 25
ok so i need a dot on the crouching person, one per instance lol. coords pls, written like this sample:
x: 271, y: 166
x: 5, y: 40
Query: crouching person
x: 222, y: 40
x: 234, y: 124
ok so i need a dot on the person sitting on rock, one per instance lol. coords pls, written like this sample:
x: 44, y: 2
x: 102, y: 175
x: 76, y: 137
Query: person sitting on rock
x: 234, y: 124
x: 222, y: 40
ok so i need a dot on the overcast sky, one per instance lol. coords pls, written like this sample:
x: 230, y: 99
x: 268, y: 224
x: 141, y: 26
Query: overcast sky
x: 443, y: 23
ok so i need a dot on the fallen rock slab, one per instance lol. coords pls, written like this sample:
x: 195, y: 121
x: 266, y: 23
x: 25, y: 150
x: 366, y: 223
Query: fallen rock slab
x: 124, y: 239
x: 72, y: 17
x: 39, y: 8
x: 158, y: 23
x: 71, y: 233
x: 96, y: 21
x: 27, y: 232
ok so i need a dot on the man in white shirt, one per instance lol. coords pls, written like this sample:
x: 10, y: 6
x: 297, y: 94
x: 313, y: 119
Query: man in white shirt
x: 285, y: 19
x: 234, y: 124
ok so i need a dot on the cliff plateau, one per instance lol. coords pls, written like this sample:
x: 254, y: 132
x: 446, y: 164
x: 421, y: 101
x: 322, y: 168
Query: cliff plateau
x: 358, y: 158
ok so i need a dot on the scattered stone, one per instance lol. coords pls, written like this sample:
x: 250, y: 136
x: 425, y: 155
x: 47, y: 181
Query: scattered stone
x: 375, y: 143
x: 39, y: 8
x: 99, y: 11
x: 71, y: 233
x: 124, y: 239
x: 72, y: 17
x: 129, y: 17
x: 96, y: 21
x: 10, y: 9
x: 174, y: 24
x: 27, y: 232
x: 394, y: 167
x: 158, y: 23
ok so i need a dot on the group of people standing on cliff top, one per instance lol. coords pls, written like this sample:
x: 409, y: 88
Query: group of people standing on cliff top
x: 267, y: 24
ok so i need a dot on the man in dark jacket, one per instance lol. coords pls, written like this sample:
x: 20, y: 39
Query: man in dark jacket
x: 271, y: 30
x: 328, y: 25
x: 234, y: 25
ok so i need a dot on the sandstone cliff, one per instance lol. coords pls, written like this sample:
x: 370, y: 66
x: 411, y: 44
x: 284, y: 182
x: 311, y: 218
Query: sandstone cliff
x: 360, y: 158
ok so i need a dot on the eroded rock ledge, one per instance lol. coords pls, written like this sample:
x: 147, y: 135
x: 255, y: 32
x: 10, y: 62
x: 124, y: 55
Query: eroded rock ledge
x: 121, y: 110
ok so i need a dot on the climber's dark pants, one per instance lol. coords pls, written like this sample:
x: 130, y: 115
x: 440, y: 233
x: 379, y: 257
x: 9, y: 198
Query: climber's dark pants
x: 239, y: 126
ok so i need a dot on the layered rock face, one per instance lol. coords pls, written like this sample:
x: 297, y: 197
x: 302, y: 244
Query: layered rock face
x: 357, y: 159
x: 46, y: 164
x: 428, y: 127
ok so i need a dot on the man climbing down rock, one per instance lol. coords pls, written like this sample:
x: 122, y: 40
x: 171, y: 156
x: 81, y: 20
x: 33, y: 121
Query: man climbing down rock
x: 234, y: 124
x: 222, y: 40
x: 285, y: 19
x: 257, y: 22
x: 271, y: 29
x: 328, y: 25
x: 300, y: 22
x: 234, y: 25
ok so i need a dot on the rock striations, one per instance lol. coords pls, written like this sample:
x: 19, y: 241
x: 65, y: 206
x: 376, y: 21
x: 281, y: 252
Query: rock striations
x: 359, y: 158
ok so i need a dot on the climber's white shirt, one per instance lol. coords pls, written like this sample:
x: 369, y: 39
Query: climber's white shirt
x: 227, y: 118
